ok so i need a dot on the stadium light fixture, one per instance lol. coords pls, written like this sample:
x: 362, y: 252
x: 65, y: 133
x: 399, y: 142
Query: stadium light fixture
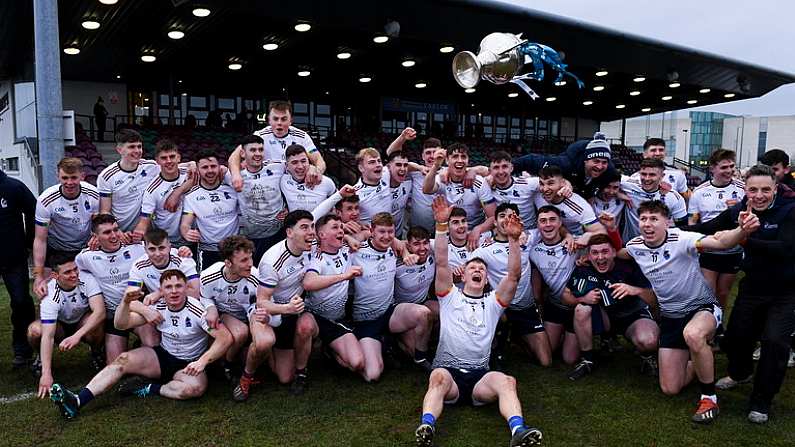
x: 446, y: 49
x: 646, y: 109
x: 667, y: 98
x: 692, y: 101
x: 234, y: 66
x: 638, y: 79
x: 704, y: 90
x: 674, y: 85
x: 270, y: 46
x: 408, y: 63
x: 620, y: 106
x: 365, y: 79
x: 601, y: 73
x: 598, y: 88
x: 176, y: 34
x: 729, y: 95
x: 90, y: 24
x: 201, y: 12
x: 343, y: 55
x: 118, y: 76
x: 513, y: 95
x: 380, y: 39
x: 587, y: 103
x: 550, y: 99
x: 108, y: 2
x: 469, y: 90
x: 560, y: 83
x: 302, y: 27
x: 634, y: 93
x: 421, y: 85
x: 184, y: 94
x: 179, y: 81
x: 148, y: 58
x: 71, y: 51
x: 304, y: 73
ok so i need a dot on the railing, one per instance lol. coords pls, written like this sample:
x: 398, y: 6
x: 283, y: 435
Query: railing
x: 691, y: 169
x: 92, y: 130
x: 32, y: 152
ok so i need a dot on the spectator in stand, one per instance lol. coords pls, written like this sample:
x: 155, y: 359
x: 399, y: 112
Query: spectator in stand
x: 100, y: 118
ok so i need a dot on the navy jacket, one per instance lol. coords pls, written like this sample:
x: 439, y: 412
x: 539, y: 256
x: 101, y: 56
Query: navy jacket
x: 17, y: 214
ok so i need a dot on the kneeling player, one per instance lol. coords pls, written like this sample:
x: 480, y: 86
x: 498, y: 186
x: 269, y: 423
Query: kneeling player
x: 611, y: 294
x: 468, y: 321
x: 689, y: 310
x: 72, y: 311
x: 326, y: 279
x: 176, y: 367
x: 229, y: 290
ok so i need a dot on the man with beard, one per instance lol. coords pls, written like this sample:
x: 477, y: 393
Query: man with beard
x: 212, y: 205
x: 469, y: 319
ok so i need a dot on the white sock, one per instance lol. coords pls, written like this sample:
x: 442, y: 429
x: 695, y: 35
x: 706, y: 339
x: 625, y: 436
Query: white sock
x: 713, y: 398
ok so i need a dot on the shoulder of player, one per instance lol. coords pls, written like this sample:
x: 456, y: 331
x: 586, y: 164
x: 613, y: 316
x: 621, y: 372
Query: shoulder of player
x: 154, y: 184
x: 195, y: 307
x: 267, y: 130
x: 89, y: 190
x: 702, y: 187
x: 636, y: 241
x: 576, y: 203
x: 211, y: 273
x: 142, y: 262
x: 50, y: 195
x: 193, y: 189
x: 110, y: 171
x: 296, y: 132
x: 738, y: 183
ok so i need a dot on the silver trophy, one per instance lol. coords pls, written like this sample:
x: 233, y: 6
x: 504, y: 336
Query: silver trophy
x: 500, y: 58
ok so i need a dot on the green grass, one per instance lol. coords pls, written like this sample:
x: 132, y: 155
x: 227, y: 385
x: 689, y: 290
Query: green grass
x: 614, y: 407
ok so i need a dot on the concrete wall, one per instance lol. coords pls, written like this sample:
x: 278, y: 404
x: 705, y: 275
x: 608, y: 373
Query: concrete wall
x: 8, y: 150
x: 587, y: 128
x: 81, y: 97
x: 741, y: 135
x: 781, y: 133
x: 567, y: 127
x: 669, y: 127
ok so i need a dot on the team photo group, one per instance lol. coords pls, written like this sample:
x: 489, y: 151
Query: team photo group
x: 246, y: 265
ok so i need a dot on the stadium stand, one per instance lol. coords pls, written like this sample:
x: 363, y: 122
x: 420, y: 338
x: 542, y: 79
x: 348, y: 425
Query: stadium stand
x: 85, y: 150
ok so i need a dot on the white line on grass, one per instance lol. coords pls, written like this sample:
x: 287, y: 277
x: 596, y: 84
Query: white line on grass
x: 17, y: 398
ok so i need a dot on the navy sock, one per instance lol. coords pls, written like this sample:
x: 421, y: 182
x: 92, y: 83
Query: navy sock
x: 515, y: 423
x: 587, y: 355
x: 84, y: 396
x: 707, y: 389
x: 420, y: 355
x: 300, y: 372
x: 154, y: 389
x: 427, y: 418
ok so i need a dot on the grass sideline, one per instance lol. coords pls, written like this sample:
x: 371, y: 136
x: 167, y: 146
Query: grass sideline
x: 615, y: 406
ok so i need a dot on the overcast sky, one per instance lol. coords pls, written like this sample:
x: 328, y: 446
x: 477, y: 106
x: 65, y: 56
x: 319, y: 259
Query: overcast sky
x: 760, y: 31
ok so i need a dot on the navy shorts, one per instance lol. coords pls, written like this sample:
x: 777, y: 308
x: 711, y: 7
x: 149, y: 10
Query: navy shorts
x: 465, y: 380
x: 524, y: 321
x: 68, y: 329
x: 672, y: 329
x: 619, y: 325
x: 374, y: 329
x: 721, y: 263
x: 110, y: 329
x: 330, y: 330
x: 285, y: 332
x: 559, y: 315
x: 169, y: 365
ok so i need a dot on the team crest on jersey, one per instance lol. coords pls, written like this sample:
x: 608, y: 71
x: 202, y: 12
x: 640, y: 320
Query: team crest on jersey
x: 381, y: 268
x: 666, y: 254
x: 268, y: 172
x: 127, y: 255
x: 671, y: 178
x: 87, y: 205
x: 734, y: 194
x: 516, y: 193
x: 187, y: 322
x: 245, y: 290
x: 143, y: 173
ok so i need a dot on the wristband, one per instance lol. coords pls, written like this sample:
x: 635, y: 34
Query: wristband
x: 441, y: 227
x: 38, y: 271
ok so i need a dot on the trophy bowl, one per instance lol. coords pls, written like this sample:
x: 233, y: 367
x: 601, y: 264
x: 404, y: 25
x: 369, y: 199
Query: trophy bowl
x: 497, y: 61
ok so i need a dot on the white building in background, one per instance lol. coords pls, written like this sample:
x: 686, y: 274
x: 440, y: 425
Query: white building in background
x: 692, y: 136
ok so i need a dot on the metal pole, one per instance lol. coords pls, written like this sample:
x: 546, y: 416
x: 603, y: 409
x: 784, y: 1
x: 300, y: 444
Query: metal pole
x: 623, y: 131
x: 49, y: 104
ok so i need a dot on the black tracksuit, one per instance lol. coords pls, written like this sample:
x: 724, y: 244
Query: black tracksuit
x: 17, y: 213
x: 765, y: 304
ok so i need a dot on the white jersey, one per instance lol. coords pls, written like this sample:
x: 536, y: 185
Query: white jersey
x: 125, y: 189
x: 282, y: 270
x: 68, y: 306
x: 374, y: 199
x: 275, y: 146
x: 466, y: 330
x: 68, y: 221
x: 495, y: 255
x: 236, y: 298
x: 522, y: 191
x: 554, y: 262
x: 111, y: 271
x: 329, y: 302
x: 183, y: 332
x: 145, y: 274
x: 412, y: 282
x: 575, y: 212
x: 470, y: 199
x: 635, y: 192
x: 400, y: 200
x: 420, y: 203
x: 261, y: 200
x: 301, y: 197
x: 709, y: 200
x: 674, y: 177
x: 674, y: 272
x: 374, y: 290
x: 154, y: 200
x: 614, y: 207
x: 216, y: 212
